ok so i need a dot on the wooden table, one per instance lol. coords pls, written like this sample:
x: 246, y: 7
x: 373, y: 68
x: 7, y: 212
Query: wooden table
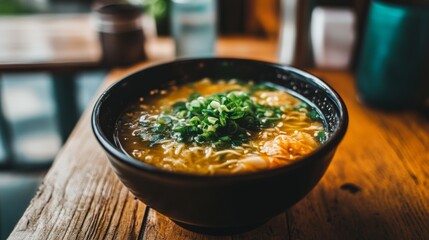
x: 48, y: 42
x: 377, y: 186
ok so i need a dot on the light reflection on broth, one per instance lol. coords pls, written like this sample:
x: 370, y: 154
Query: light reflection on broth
x: 298, y: 131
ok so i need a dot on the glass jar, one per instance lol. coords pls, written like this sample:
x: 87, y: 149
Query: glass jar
x: 193, y: 24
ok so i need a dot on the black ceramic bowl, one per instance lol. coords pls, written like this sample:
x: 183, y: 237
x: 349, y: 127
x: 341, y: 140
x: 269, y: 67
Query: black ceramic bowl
x: 219, y: 204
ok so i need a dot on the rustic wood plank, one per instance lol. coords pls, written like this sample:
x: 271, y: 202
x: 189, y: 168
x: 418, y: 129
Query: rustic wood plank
x: 160, y: 227
x: 377, y: 185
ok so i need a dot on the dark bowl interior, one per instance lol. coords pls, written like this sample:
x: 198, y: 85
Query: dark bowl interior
x: 219, y: 204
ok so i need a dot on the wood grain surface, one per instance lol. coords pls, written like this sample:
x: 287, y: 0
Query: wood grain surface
x: 48, y: 42
x: 377, y: 186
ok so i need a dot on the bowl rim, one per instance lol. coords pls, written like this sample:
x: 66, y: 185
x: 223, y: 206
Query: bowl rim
x: 331, y: 143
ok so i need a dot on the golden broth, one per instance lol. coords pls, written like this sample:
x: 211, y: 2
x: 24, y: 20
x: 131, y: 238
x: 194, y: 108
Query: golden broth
x: 297, y: 132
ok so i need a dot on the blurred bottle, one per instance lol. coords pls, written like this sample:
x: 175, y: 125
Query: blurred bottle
x: 193, y: 25
x: 294, y: 39
x: 121, y: 33
x: 393, y: 69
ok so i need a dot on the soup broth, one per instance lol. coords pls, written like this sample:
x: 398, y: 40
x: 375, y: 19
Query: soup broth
x: 220, y: 127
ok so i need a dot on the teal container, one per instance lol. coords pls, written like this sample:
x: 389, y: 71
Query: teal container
x: 393, y: 68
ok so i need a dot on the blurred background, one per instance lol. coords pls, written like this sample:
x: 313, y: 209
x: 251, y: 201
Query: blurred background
x: 51, y: 67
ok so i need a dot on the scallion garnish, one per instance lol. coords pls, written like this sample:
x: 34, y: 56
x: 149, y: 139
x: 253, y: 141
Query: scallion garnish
x: 220, y: 120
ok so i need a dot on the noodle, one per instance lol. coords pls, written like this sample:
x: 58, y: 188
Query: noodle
x: 279, y: 141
